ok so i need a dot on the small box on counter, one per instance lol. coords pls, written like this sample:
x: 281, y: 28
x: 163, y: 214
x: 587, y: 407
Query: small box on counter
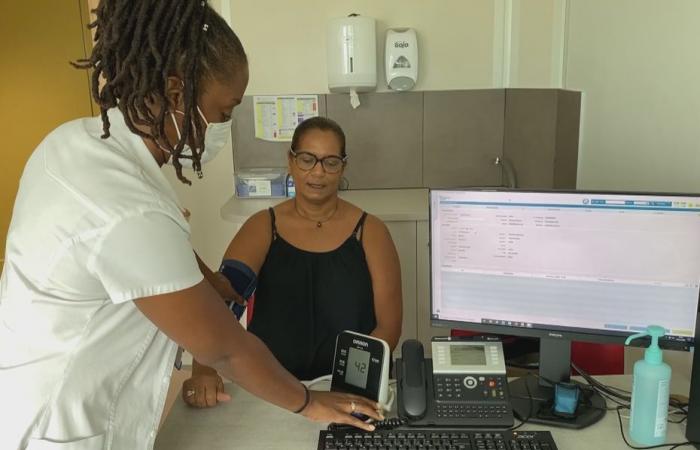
x: 261, y: 183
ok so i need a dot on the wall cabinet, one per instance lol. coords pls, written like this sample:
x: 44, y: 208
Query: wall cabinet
x: 441, y: 138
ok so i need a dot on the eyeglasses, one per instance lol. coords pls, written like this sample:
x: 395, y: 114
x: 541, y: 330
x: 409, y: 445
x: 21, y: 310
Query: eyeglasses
x: 307, y: 161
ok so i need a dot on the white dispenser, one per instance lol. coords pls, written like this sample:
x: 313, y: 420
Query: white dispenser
x: 401, y: 58
x: 351, y: 48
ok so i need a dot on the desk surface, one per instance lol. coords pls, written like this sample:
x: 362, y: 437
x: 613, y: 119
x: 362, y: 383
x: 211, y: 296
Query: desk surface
x: 249, y: 423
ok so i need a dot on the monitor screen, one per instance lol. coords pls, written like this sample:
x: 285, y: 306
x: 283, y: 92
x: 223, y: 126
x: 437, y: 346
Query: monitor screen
x: 592, y: 266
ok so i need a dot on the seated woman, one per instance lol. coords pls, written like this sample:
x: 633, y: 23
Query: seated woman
x: 323, y: 266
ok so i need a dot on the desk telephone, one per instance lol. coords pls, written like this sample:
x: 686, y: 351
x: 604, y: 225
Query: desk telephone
x: 464, y: 385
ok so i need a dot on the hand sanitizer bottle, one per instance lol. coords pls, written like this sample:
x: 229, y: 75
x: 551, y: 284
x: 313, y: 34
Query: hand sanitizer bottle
x: 650, y: 392
x: 291, y: 191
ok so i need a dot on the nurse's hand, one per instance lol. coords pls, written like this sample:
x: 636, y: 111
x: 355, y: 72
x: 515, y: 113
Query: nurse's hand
x: 338, y: 407
x: 204, y: 391
x: 224, y: 288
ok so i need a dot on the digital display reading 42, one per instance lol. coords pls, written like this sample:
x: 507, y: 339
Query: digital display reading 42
x: 357, y: 367
x: 361, y: 366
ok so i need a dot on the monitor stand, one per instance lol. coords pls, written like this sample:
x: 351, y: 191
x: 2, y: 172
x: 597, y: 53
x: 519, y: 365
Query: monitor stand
x: 532, y: 396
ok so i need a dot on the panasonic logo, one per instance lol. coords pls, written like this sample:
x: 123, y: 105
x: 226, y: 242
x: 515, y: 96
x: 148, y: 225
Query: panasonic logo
x: 360, y: 343
x: 555, y: 335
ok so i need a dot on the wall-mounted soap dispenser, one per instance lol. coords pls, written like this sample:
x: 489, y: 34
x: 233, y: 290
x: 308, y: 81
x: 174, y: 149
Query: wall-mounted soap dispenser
x: 401, y: 58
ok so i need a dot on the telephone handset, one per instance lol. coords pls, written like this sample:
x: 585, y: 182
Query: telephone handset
x: 464, y: 385
x: 413, y: 383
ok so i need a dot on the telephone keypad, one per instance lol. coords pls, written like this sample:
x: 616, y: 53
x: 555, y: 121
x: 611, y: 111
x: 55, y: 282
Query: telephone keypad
x: 452, y: 388
x: 472, y: 410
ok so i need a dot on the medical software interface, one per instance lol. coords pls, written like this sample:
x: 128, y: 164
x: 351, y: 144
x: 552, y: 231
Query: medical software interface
x: 571, y: 261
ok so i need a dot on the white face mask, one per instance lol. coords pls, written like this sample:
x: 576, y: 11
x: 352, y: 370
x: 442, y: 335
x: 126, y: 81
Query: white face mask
x: 216, y: 135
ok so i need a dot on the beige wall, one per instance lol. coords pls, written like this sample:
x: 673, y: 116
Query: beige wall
x: 286, y: 40
x: 537, y: 43
x: 637, y: 63
x: 463, y: 44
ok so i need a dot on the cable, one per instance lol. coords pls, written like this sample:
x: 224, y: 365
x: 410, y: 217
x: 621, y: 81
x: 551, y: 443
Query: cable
x: 612, y: 399
x: 530, y: 409
x: 670, y: 446
x: 616, y: 395
x: 614, y: 392
x: 621, y: 393
x: 387, y: 424
x: 531, y: 366
x: 392, y: 396
x: 318, y: 380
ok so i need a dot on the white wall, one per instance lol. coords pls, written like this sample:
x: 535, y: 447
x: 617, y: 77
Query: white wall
x: 638, y: 64
x: 536, y: 43
x: 464, y: 44
x: 286, y: 40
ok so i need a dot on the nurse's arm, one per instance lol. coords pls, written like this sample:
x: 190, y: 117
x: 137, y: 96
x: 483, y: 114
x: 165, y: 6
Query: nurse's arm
x: 199, y: 321
x: 249, y: 246
x: 219, y: 281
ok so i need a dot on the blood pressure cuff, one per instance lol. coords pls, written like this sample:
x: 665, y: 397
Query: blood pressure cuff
x: 242, y: 279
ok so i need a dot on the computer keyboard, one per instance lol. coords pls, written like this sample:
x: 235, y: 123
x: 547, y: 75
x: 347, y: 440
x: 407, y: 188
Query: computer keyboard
x: 436, y: 439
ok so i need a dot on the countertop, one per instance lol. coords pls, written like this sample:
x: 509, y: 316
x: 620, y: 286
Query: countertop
x: 247, y: 422
x: 390, y: 205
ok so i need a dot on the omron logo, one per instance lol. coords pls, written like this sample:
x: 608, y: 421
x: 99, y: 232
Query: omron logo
x: 360, y: 343
x: 555, y: 335
x: 403, y: 44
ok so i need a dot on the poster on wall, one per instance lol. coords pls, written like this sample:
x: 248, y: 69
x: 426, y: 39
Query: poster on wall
x: 277, y: 116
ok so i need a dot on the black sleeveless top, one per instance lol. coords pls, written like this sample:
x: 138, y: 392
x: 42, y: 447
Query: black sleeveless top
x: 304, y: 299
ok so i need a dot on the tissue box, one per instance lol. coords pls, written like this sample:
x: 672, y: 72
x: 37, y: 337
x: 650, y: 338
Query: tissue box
x: 261, y: 183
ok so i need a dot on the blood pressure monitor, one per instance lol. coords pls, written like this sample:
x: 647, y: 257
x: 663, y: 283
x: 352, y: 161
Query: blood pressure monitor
x: 361, y: 366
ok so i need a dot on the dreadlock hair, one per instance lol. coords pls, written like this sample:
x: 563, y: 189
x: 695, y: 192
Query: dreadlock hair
x: 139, y: 44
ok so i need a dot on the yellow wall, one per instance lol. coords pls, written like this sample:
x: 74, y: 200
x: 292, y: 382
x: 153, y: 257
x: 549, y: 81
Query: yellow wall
x: 39, y: 90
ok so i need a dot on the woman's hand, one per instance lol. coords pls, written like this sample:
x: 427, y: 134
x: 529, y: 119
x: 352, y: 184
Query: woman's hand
x: 338, y: 407
x: 204, y: 391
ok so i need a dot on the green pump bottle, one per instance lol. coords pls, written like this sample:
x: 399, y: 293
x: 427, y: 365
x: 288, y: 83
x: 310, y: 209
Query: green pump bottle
x: 650, y: 392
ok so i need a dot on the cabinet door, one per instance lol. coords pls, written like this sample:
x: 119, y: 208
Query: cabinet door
x: 404, y: 236
x: 462, y: 137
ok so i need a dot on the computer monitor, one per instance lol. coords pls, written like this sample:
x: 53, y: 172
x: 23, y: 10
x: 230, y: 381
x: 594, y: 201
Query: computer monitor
x: 563, y: 266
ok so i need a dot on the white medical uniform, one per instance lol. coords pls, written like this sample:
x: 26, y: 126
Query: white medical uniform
x: 95, y: 225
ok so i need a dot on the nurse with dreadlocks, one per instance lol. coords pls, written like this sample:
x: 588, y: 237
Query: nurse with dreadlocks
x: 100, y: 283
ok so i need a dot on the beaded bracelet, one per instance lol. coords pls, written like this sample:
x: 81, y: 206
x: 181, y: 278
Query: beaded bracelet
x: 307, y: 398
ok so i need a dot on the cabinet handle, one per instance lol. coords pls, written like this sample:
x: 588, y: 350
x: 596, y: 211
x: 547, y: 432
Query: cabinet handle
x: 508, y: 171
